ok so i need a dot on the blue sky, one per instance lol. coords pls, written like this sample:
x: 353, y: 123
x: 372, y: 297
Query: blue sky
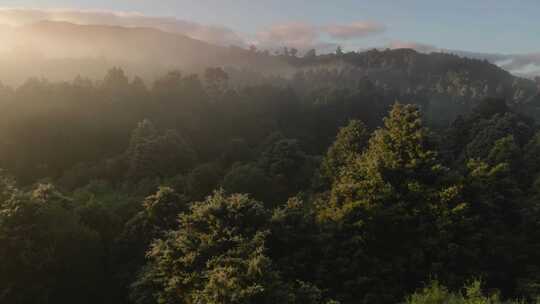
x: 493, y: 26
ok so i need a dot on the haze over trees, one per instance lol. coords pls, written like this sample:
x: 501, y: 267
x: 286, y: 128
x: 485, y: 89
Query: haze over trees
x: 372, y: 177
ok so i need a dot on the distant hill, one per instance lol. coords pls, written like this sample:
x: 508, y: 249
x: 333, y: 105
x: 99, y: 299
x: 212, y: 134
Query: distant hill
x: 61, y: 50
x: 67, y: 40
x: 444, y: 83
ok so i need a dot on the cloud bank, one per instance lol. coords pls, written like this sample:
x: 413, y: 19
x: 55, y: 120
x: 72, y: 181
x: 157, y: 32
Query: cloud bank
x: 294, y: 34
x: 354, y: 30
x: 306, y: 36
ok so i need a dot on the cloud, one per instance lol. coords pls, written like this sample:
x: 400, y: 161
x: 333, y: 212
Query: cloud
x: 527, y: 65
x: 305, y: 36
x: 354, y: 30
x: 524, y: 61
x: 214, y: 34
x: 296, y: 34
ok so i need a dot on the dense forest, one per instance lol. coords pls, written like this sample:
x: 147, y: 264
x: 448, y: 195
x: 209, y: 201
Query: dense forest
x: 374, y: 177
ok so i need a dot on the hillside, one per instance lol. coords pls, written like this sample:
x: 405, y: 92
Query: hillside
x: 62, y: 50
x: 269, y: 152
x: 302, y: 175
x: 445, y: 84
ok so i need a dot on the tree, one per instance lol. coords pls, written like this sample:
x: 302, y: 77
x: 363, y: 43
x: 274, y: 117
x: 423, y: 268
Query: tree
x: 491, y: 106
x: 179, y: 100
x: 144, y: 132
x: 52, y: 263
x: 116, y: 82
x: 215, y: 76
x: 438, y: 294
x: 310, y: 54
x: 394, y: 210
x: 347, y: 147
x: 485, y: 133
x: 287, y: 166
x: 249, y: 179
x: 202, y: 180
x: 218, y: 255
x: 159, y: 214
x: 237, y: 150
x: 531, y: 155
x: 297, y: 241
x: 286, y: 51
x: 152, y: 155
x: 494, y: 218
x: 396, y: 155
x: 163, y: 207
x: 506, y: 150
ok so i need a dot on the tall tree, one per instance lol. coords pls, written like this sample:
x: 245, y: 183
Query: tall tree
x: 152, y: 155
x: 347, y: 147
x: 394, y: 211
x: 46, y: 250
x: 218, y: 255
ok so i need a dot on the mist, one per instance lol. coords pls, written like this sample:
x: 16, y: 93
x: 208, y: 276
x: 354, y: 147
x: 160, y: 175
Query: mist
x: 61, y: 51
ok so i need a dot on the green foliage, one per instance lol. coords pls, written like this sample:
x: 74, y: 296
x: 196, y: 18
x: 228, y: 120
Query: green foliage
x: 202, y: 180
x: 397, y: 163
x: 505, y: 150
x: 218, y: 255
x: 46, y: 250
x: 237, y: 150
x: 159, y: 214
x: 531, y: 153
x: 249, y: 179
x: 296, y: 241
x: 163, y: 207
x: 225, y: 238
x: 348, y: 145
x: 490, y: 107
x: 153, y: 155
x: 101, y: 212
x: 437, y: 294
x: 396, y: 209
x: 487, y: 132
x: 287, y: 166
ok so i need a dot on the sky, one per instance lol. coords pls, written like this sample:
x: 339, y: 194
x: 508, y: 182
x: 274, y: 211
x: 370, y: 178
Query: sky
x: 494, y: 26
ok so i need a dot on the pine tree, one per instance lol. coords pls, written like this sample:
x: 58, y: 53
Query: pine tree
x: 153, y: 155
x: 218, y: 256
x: 349, y: 143
x: 393, y: 208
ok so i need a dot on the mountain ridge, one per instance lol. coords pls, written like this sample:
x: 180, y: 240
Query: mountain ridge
x: 60, y: 51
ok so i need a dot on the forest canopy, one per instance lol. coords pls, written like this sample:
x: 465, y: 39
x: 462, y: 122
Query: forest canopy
x: 340, y: 184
